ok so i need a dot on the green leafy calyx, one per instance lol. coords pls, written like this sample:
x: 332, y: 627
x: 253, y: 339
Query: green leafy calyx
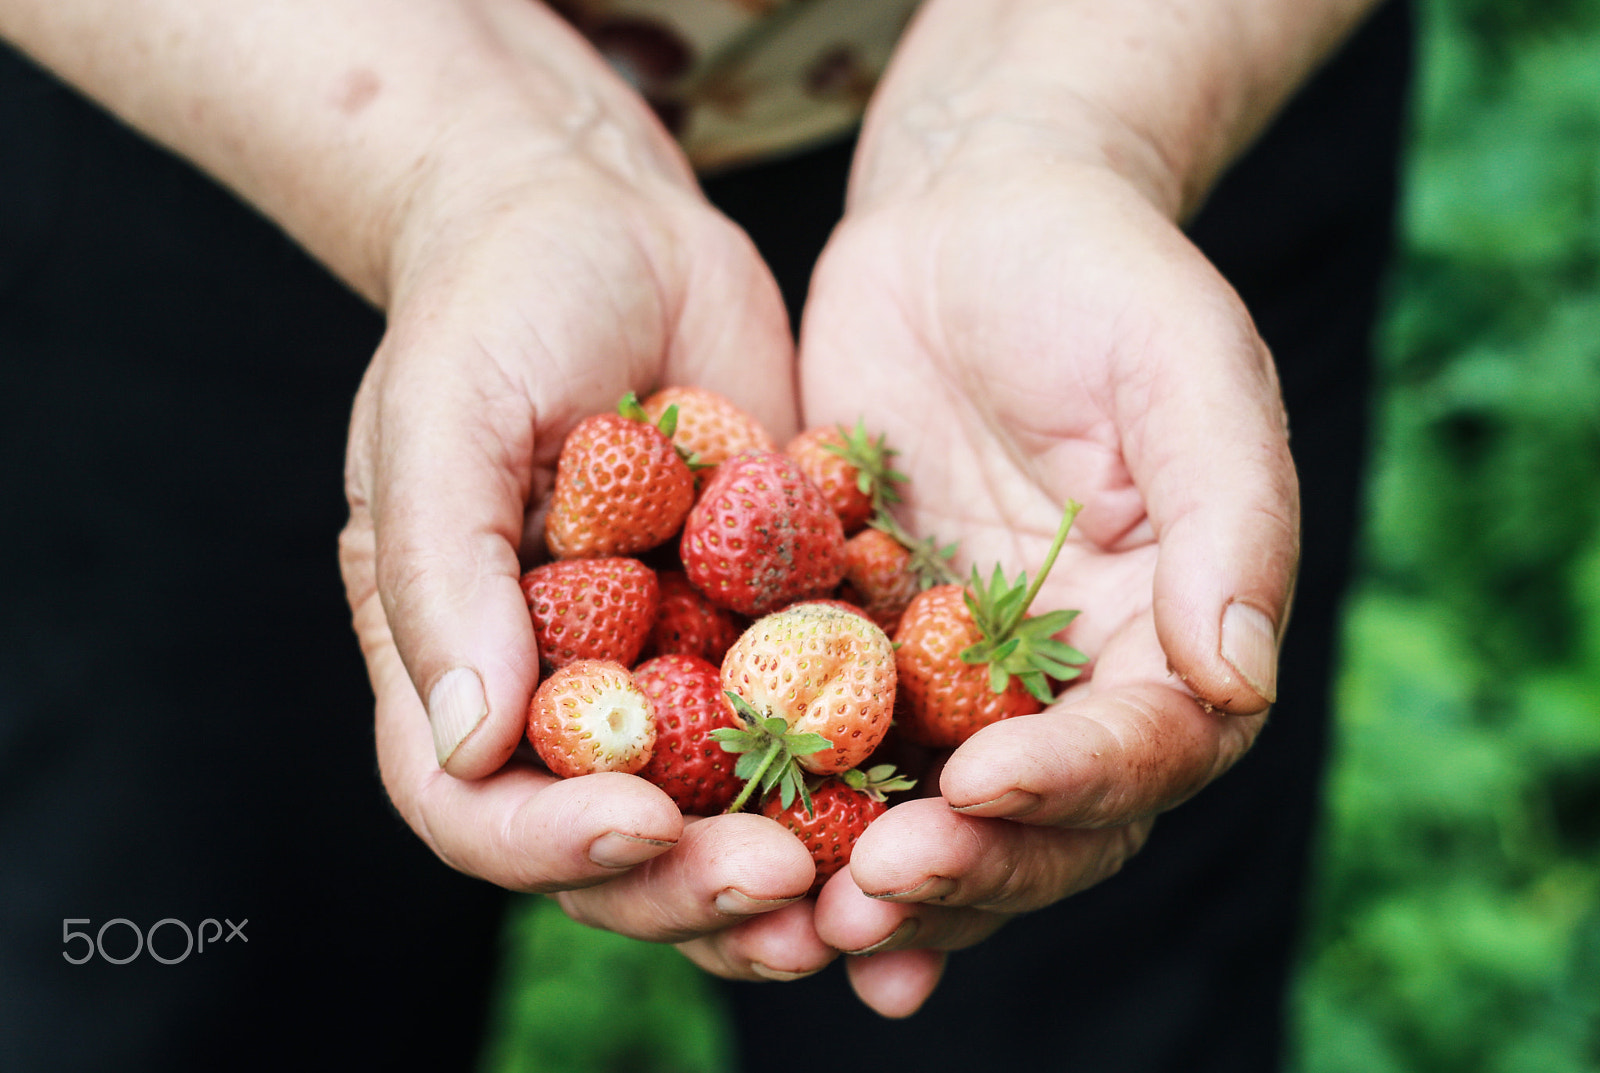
x: 1013, y: 644
x: 767, y: 750
x: 877, y: 781
x: 871, y: 458
x: 631, y: 408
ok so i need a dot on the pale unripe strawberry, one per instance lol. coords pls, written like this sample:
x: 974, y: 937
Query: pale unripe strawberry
x: 589, y: 716
x: 823, y: 671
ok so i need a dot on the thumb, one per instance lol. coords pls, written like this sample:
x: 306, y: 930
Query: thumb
x: 1212, y: 457
x: 450, y: 464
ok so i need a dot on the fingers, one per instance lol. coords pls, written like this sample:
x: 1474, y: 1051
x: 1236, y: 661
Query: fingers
x: 781, y: 945
x: 897, y: 983
x: 1209, y: 449
x: 523, y: 829
x: 724, y: 869
x: 460, y: 421
x: 925, y: 853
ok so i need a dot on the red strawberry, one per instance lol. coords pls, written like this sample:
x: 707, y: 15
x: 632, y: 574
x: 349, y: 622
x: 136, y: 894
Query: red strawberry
x: 966, y: 659
x: 688, y: 622
x: 840, y: 810
x: 814, y: 686
x: 591, y: 609
x: 851, y: 469
x: 710, y: 428
x: 621, y: 487
x: 761, y: 536
x: 589, y: 716
x: 686, y: 695
x: 879, y: 576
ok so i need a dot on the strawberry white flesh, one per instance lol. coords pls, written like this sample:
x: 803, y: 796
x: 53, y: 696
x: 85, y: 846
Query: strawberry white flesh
x: 589, y: 716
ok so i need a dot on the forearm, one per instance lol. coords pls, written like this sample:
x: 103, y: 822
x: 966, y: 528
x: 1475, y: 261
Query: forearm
x: 332, y: 115
x: 1165, y: 93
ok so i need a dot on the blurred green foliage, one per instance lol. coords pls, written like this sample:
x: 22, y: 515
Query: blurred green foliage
x: 575, y: 1000
x: 1458, y: 920
x: 1457, y: 924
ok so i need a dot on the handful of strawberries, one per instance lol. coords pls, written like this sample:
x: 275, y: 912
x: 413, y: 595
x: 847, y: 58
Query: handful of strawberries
x: 717, y: 618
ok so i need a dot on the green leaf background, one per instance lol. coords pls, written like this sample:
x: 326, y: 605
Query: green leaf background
x: 1456, y: 924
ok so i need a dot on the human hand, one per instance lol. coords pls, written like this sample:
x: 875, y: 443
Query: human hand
x: 533, y: 282
x: 1028, y: 333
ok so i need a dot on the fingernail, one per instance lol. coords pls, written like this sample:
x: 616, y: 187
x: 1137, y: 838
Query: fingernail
x: 893, y: 941
x: 929, y: 890
x: 455, y: 708
x: 615, y: 850
x: 768, y: 973
x: 736, y: 903
x: 1010, y: 804
x: 1250, y: 646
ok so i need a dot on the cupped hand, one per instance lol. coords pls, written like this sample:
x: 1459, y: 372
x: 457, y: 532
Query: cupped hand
x: 533, y: 287
x: 1026, y: 334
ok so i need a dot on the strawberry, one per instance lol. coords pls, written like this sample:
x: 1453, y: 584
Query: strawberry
x: 966, y: 658
x: 841, y: 808
x: 591, y: 609
x: 621, y: 487
x: 710, y: 428
x: 814, y: 686
x: 589, y: 716
x: 851, y: 469
x: 688, y: 622
x: 879, y: 576
x: 686, y: 695
x: 762, y: 536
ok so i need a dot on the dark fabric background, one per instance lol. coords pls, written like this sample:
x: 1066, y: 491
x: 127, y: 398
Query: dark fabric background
x: 185, y: 724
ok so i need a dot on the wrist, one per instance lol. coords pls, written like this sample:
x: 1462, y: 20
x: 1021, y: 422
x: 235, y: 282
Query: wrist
x: 939, y: 139
x: 1164, y: 96
x: 531, y: 114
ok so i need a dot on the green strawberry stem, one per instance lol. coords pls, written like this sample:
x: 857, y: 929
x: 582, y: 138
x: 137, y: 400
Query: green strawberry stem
x: 1067, y: 518
x: 1014, y: 644
x: 775, y: 750
x: 929, y: 562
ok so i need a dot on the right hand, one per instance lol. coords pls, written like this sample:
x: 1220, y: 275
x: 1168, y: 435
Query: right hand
x: 532, y: 284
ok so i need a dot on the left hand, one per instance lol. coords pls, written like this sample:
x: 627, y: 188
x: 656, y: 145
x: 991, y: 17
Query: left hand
x: 1025, y: 334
